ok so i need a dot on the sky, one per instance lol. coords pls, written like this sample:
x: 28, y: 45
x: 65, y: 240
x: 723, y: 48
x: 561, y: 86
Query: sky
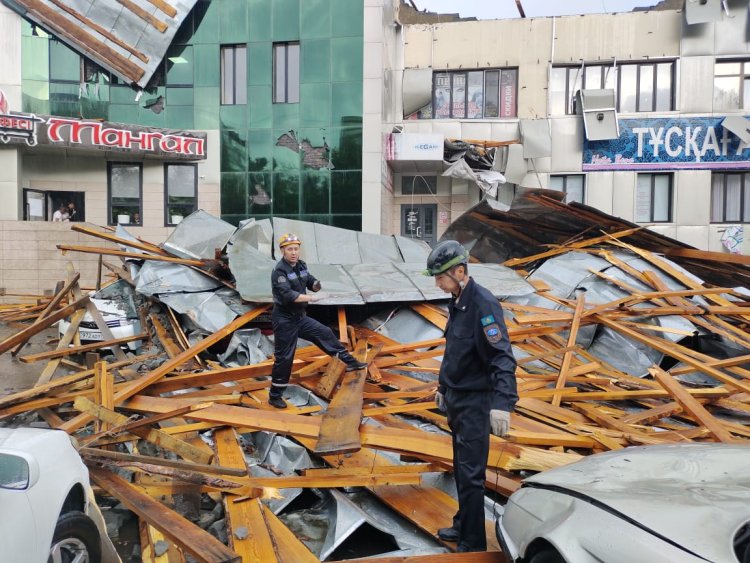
x: 495, y: 9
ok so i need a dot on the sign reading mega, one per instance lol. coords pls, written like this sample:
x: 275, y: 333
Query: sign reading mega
x: 668, y: 144
x: 418, y: 146
x: 66, y: 132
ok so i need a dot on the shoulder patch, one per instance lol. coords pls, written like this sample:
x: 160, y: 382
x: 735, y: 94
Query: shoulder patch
x: 291, y: 275
x: 488, y: 320
x: 281, y: 279
x: 492, y: 333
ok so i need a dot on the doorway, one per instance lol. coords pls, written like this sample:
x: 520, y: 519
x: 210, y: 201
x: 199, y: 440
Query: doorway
x: 34, y: 205
x: 418, y: 221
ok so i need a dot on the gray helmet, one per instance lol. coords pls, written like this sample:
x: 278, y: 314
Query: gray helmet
x: 444, y: 256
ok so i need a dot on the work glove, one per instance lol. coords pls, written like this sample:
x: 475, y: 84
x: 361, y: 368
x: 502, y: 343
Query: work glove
x: 440, y: 401
x: 316, y: 285
x: 317, y: 296
x: 499, y: 422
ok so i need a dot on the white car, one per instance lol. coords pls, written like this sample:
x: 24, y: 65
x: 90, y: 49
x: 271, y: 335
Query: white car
x: 47, y: 510
x: 117, y: 305
x: 678, y: 503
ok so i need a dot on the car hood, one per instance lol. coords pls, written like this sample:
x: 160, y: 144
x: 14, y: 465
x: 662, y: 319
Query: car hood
x: 26, y: 439
x: 697, y: 495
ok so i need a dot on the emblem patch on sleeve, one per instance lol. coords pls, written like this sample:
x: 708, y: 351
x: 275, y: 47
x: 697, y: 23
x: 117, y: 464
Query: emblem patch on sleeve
x: 492, y: 332
x: 488, y: 320
x: 281, y: 279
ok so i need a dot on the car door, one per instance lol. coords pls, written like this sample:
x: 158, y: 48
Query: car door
x: 18, y: 533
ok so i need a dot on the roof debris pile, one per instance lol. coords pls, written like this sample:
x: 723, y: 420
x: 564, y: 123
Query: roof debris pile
x: 616, y: 346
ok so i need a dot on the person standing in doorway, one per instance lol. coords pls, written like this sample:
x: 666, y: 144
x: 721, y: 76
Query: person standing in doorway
x: 290, y: 281
x: 71, y: 208
x: 476, y: 386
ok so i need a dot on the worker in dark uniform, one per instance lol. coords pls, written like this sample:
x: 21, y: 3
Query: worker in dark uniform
x: 290, y: 281
x: 476, y: 386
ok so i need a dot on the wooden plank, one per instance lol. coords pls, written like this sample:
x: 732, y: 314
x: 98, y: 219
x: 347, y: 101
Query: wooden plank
x: 720, y: 257
x: 54, y: 302
x: 144, y: 15
x: 125, y: 254
x: 63, y: 27
x: 343, y: 333
x: 71, y: 335
x: 339, y: 427
x: 100, y: 30
x: 80, y: 349
x: 330, y: 378
x: 178, y: 529
x: 572, y: 335
x: 246, y: 527
x: 170, y: 346
x: 162, y: 439
x: 141, y: 383
x: 103, y: 393
x: 690, y: 405
x: 164, y: 7
x: 288, y: 545
x: 36, y: 328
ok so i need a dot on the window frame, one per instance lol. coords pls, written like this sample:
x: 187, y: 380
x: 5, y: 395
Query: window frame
x: 565, y: 178
x: 285, y: 45
x: 167, y: 205
x: 742, y: 76
x: 654, y: 175
x: 465, y: 72
x: 570, y: 106
x: 110, y: 165
x: 233, y: 47
x: 744, y: 193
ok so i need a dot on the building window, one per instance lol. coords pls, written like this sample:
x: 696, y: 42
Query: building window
x: 286, y: 73
x: 730, y: 197
x: 418, y: 185
x: 181, y: 193
x: 125, y: 187
x: 571, y: 184
x: 653, y: 198
x: 234, y: 75
x: 638, y: 86
x: 475, y: 94
x: 732, y: 85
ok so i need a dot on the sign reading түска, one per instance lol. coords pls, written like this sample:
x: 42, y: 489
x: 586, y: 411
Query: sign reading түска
x: 668, y: 144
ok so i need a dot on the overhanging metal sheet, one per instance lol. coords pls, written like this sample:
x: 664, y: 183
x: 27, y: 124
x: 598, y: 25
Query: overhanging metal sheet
x: 739, y: 126
x: 338, y: 286
x: 416, y: 89
x: 336, y: 246
x: 163, y: 277
x: 383, y: 282
x: 129, y: 39
x: 206, y: 309
x: 537, y: 139
x: 378, y: 248
x: 702, y: 11
x: 199, y: 235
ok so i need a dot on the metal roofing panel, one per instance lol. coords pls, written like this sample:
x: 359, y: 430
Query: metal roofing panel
x: 127, y: 37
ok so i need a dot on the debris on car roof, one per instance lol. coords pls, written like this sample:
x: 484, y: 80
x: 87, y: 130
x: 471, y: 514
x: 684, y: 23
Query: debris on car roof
x: 617, y: 345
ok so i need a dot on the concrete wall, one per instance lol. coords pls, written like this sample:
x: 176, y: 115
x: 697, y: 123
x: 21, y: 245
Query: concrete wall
x: 10, y: 84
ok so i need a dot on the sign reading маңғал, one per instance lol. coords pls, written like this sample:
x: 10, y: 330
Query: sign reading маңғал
x: 667, y: 143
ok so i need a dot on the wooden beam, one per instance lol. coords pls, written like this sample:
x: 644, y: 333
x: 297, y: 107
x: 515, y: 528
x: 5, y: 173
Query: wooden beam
x: 343, y: 333
x: 330, y: 378
x: 721, y: 257
x: 201, y: 544
x: 137, y: 385
x: 144, y: 15
x: 36, y: 328
x: 103, y: 392
x: 246, y: 528
x: 572, y: 335
x: 125, y: 254
x: 70, y: 351
x: 696, y: 410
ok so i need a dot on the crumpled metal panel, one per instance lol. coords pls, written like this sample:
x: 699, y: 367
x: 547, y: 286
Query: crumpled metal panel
x: 378, y: 248
x: 501, y: 281
x: 122, y: 233
x: 337, y: 286
x: 383, y: 282
x: 247, y: 346
x: 250, y: 267
x: 304, y: 230
x: 199, y: 235
x: 165, y: 277
x: 206, y: 309
x: 413, y: 250
x: 132, y: 35
x: 336, y: 246
x: 257, y: 233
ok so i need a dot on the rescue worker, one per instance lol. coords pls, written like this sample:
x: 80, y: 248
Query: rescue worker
x: 290, y: 281
x: 476, y: 386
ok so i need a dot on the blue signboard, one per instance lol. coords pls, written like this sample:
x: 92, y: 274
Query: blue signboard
x: 666, y: 143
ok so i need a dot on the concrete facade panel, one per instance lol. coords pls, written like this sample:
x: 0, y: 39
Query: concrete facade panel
x: 599, y: 188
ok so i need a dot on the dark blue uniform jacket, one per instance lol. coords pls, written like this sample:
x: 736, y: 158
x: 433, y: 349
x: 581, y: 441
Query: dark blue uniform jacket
x: 478, y: 355
x: 287, y: 283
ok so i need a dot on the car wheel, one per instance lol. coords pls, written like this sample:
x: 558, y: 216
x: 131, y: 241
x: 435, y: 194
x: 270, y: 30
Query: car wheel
x: 76, y: 540
x: 547, y: 556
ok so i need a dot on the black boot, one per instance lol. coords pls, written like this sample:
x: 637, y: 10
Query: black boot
x: 448, y: 534
x: 352, y: 363
x: 277, y: 402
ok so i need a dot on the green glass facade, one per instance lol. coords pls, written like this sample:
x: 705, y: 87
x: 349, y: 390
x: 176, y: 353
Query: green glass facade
x: 261, y: 174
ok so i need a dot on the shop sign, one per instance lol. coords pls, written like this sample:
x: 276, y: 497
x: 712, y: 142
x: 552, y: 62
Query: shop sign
x: 668, y: 144
x: 65, y: 132
x: 418, y: 146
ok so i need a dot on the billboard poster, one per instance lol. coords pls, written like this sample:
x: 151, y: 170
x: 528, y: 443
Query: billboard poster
x: 508, y: 93
x: 664, y: 143
x: 442, y: 95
